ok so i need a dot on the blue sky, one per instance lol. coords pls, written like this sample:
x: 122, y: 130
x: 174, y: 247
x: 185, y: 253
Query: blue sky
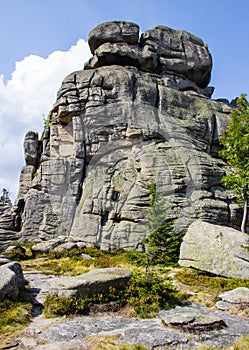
x: 41, y: 42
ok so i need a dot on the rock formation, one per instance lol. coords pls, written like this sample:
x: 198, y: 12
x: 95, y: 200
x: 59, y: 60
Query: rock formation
x: 12, y: 281
x: 216, y: 249
x: 140, y: 113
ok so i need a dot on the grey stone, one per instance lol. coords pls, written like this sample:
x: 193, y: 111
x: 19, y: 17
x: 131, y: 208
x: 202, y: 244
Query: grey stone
x: 81, y: 245
x: 143, y: 116
x: 6, y: 218
x: 15, y: 247
x: 64, y: 247
x: 151, y: 332
x: 86, y: 257
x: 31, y: 148
x: 192, y: 320
x: 113, y: 32
x: 180, y: 52
x: 46, y: 247
x: 236, y: 296
x: 217, y: 249
x: 4, y: 260
x: 8, y: 237
x: 91, y: 283
x: 160, y: 49
x: 11, y: 280
x: 222, y: 305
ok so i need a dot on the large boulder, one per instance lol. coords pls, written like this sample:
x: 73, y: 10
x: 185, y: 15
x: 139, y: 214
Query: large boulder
x: 220, y: 250
x: 12, y: 281
x: 91, y: 283
x: 113, y: 32
x: 160, y: 49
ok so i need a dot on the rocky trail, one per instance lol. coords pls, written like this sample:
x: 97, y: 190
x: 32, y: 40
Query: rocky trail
x: 185, y: 327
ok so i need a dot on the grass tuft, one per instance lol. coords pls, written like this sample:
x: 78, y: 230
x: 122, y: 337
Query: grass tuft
x: 15, y: 315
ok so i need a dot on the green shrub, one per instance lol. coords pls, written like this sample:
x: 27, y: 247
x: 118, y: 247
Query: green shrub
x: 15, y: 315
x: 16, y: 254
x: 145, y: 294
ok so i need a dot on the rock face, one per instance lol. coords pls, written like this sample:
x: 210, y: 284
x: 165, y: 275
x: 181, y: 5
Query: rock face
x: 216, y: 249
x: 11, y: 280
x: 140, y: 113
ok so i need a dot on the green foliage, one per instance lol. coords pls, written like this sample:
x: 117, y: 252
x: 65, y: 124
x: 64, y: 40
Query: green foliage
x: 14, y: 315
x: 148, y: 293
x: 17, y: 254
x: 163, y: 243
x: 47, y: 121
x: 236, y: 152
x: 206, y: 281
x: 136, y: 258
x: 145, y: 294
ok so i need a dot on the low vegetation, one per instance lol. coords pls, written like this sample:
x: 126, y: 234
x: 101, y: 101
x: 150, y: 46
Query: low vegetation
x: 15, y: 315
x: 149, y: 290
x: 145, y: 295
x: 110, y: 342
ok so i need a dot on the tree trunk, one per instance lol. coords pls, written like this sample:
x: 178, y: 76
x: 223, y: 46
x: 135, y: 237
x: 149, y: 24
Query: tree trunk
x: 245, y: 216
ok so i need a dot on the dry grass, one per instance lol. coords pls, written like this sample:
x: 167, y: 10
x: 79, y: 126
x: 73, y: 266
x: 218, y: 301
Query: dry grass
x: 110, y: 343
x: 15, y: 315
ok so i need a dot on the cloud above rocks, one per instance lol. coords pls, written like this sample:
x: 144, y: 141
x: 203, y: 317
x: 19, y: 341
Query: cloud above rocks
x: 25, y: 101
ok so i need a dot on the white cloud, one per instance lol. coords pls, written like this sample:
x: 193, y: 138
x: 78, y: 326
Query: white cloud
x: 26, y: 99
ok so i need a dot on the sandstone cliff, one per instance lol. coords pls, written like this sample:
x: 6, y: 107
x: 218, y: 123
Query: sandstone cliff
x: 139, y: 113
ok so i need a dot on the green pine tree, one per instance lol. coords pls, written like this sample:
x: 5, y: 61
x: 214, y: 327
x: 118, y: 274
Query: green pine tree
x: 163, y: 243
x: 236, y: 154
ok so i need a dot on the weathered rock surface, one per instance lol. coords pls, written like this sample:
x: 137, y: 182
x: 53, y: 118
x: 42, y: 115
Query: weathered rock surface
x: 65, y: 247
x: 192, y: 319
x: 139, y: 113
x: 159, y: 50
x: 91, y: 283
x: 236, y: 296
x: 4, y: 260
x: 185, y: 327
x: 216, y: 249
x: 113, y: 32
x: 46, y: 247
x: 6, y: 221
x: 11, y: 280
x: 76, y: 332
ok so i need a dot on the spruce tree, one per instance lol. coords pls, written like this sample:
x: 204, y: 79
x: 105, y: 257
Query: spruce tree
x: 236, y: 154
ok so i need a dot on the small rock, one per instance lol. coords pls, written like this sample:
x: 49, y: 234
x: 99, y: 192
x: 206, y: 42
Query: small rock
x: 65, y: 247
x: 191, y: 320
x: 223, y: 305
x: 81, y: 245
x: 236, y: 296
x: 15, y: 247
x: 86, y: 257
x: 46, y: 247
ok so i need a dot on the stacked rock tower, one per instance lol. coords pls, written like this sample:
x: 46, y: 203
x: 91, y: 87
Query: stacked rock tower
x: 140, y: 113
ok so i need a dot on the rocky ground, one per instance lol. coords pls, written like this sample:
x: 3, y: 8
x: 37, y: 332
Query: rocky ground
x: 185, y: 327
